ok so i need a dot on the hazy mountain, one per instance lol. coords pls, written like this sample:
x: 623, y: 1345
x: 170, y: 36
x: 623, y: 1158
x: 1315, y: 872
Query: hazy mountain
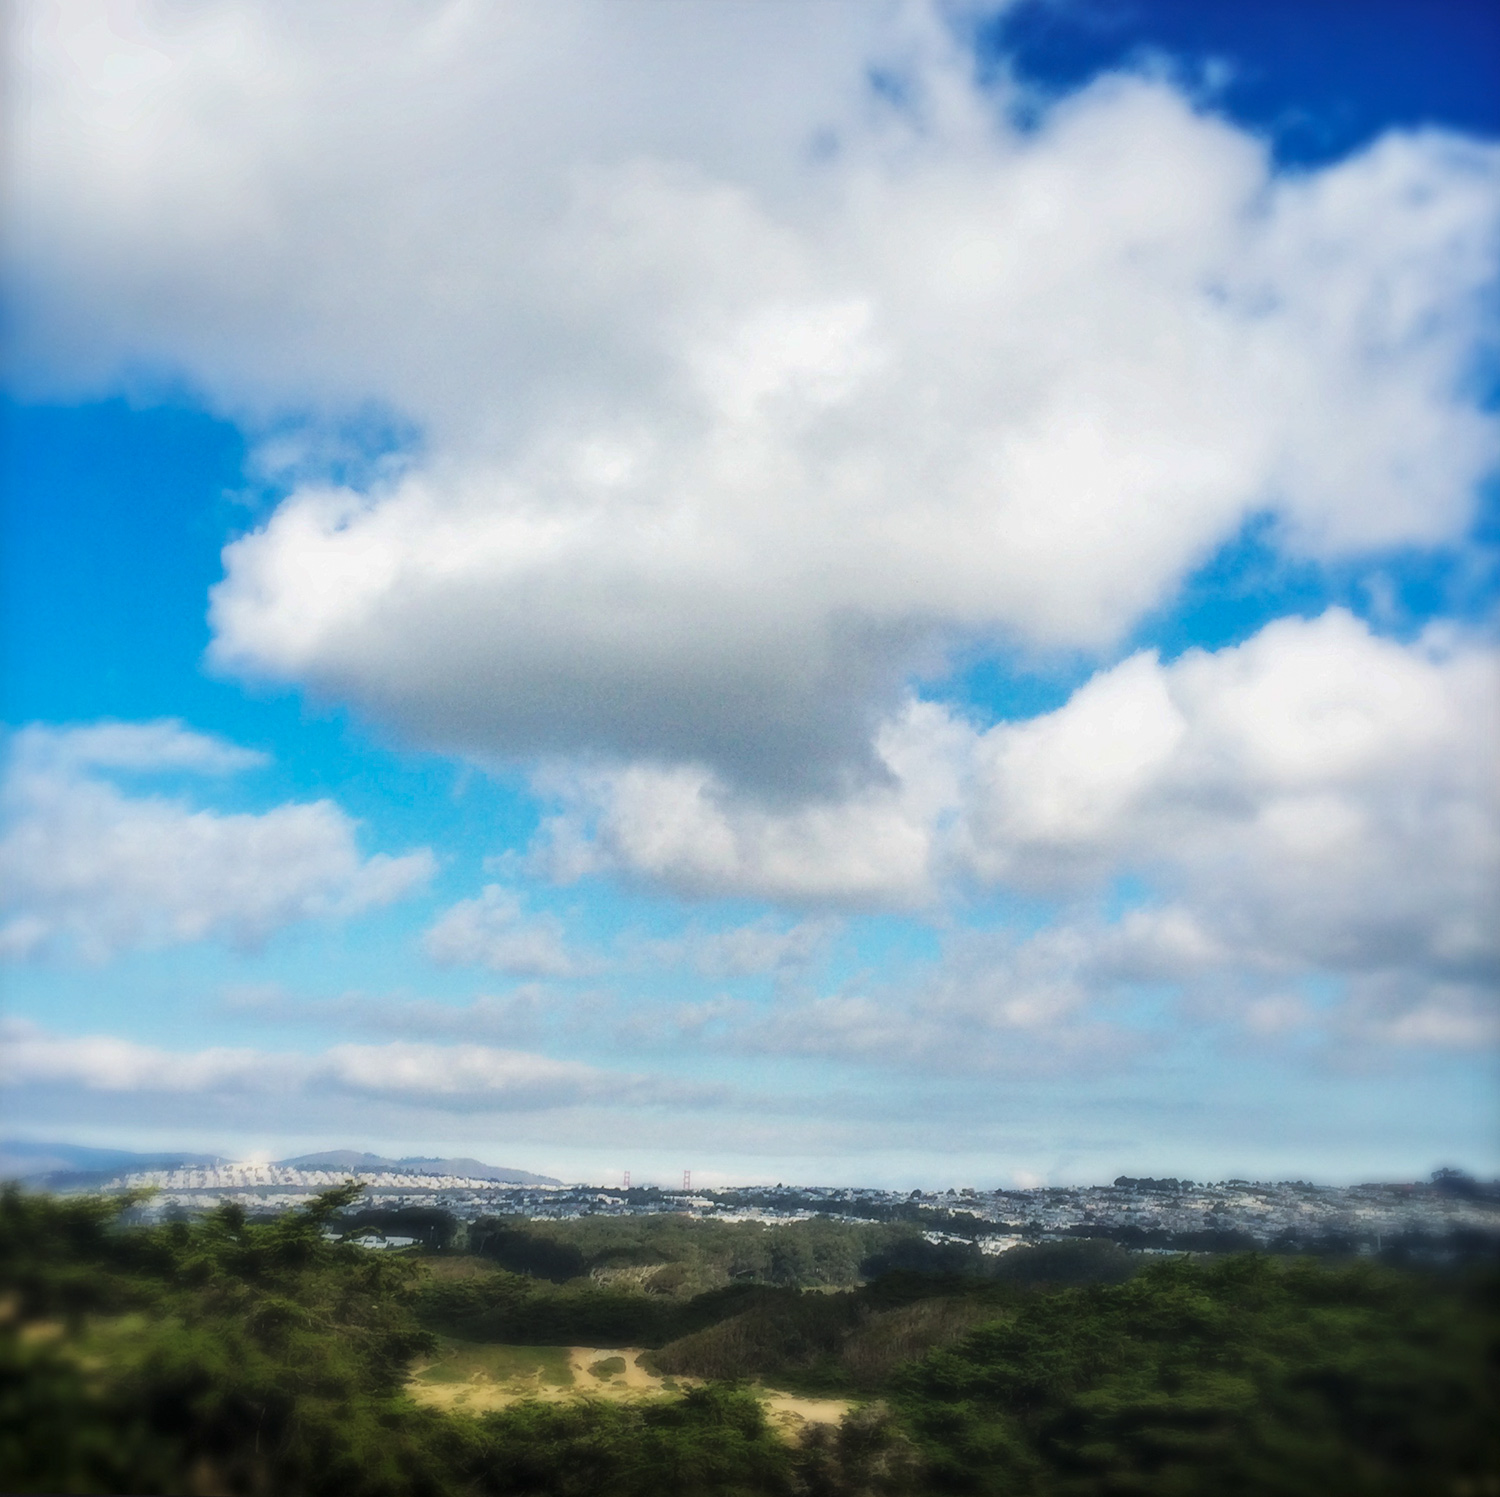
x: 74, y: 1164
x: 20, y: 1159
x: 473, y: 1169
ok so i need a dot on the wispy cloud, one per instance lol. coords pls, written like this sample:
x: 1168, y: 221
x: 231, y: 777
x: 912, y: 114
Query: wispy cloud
x: 458, y: 1078
x: 92, y: 870
x: 764, y: 946
x: 494, y: 930
x: 514, y: 1016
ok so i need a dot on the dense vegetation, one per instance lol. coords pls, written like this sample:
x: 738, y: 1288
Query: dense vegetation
x: 230, y: 1354
x: 672, y: 1253
x: 524, y: 1311
x: 1238, y: 1376
x: 658, y: 1308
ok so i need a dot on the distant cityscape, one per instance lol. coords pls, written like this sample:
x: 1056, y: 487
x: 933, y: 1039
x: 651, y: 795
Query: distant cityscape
x: 1159, y: 1214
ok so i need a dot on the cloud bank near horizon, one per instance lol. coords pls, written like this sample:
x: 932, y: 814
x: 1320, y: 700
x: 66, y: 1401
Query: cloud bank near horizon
x: 453, y: 1078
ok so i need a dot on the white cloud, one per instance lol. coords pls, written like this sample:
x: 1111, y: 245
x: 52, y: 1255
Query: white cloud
x: 494, y: 930
x: 486, y: 1017
x: 997, y: 1002
x: 1390, y: 1008
x: 1316, y: 800
x: 151, y: 748
x: 724, y: 431
x: 410, y: 1069
x: 101, y: 1062
x: 1087, y: 996
x: 92, y: 869
x: 686, y: 828
x: 991, y: 1005
x: 455, y: 1077
x: 1318, y: 794
x: 763, y: 946
x: 738, y: 568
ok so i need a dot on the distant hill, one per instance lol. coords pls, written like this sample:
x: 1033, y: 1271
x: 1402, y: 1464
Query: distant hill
x: 355, y: 1162
x: 54, y: 1164
x: 74, y: 1164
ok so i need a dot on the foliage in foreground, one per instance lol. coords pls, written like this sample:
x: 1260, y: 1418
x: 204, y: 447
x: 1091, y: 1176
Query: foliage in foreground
x: 226, y: 1354
x: 523, y: 1311
x: 1241, y: 1376
x: 258, y: 1356
x: 853, y: 1342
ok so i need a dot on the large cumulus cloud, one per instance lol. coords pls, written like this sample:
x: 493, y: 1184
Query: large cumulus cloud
x: 1010, y: 396
x: 742, y: 398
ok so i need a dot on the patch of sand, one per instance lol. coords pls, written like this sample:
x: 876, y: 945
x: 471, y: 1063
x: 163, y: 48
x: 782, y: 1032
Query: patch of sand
x: 476, y: 1397
x: 471, y: 1378
x: 632, y: 1381
x: 789, y: 1412
x: 478, y: 1378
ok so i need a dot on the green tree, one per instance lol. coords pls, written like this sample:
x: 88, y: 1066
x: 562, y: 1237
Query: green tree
x: 1242, y: 1376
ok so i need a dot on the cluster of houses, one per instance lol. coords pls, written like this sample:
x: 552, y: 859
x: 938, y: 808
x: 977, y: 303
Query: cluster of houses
x: 1131, y: 1209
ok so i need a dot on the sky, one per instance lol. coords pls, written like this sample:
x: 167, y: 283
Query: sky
x: 897, y: 594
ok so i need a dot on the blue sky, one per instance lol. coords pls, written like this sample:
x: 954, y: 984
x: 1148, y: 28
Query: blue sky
x: 860, y: 593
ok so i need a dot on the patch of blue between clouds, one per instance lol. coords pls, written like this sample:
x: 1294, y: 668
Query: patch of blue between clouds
x: 1253, y: 579
x: 115, y: 517
x: 1247, y: 583
x: 1318, y: 80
